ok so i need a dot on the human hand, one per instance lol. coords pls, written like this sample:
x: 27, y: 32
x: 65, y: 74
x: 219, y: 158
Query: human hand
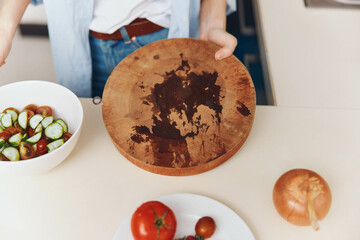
x: 5, y: 45
x: 225, y: 40
x: 213, y: 25
x: 11, y: 12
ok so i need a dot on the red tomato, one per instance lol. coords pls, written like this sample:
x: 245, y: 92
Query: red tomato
x: 197, y: 237
x: 18, y: 128
x: 26, y: 151
x: 31, y: 107
x: 5, y: 135
x: 190, y: 238
x: 31, y: 132
x: 4, y: 158
x: 41, y: 152
x: 30, y: 114
x: 66, y: 136
x: 11, y: 130
x: 41, y: 144
x: 43, y: 136
x: 153, y: 221
x: 205, y: 227
x: 44, y: 110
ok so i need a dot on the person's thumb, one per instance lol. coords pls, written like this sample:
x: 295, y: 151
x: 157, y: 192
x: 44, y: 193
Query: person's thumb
x: 226, y: 41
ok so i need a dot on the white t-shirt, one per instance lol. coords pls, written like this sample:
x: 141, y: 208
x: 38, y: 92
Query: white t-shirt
x: 110, y: 15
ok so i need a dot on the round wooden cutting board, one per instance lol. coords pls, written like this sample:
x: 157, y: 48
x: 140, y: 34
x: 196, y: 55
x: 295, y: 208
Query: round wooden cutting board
x: 172, y: 109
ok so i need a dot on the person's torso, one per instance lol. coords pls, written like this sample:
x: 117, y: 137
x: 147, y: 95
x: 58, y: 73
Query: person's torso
x: 110, y: 15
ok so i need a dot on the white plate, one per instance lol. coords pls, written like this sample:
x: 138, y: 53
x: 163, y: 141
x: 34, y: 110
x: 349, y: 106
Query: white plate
x: 188, y: 208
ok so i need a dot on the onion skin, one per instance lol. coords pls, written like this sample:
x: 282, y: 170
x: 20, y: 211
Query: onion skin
x: 302, y: 197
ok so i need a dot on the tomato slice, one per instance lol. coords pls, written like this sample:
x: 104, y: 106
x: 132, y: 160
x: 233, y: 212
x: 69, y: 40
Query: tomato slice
x: 30, y: 114
x: 26, y: 151
x: 44, y: 110
x: 31, y: 107
x: 153, y: 220
x: 11, y: 108
x: 31, y: 132
x: 18, y: 128
x: 5, y: 135
x: 43, y: 136
x: 11, y: 130
x: 4, y: 158
x: 66, y: 136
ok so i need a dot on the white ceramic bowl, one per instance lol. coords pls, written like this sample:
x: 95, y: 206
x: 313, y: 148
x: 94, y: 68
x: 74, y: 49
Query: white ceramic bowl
x: 65, y: 105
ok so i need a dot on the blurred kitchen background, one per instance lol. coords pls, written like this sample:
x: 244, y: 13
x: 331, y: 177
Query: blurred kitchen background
x: 302, y: 53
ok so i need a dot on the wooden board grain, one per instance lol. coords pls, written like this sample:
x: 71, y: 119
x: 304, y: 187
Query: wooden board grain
x: 172, y: 109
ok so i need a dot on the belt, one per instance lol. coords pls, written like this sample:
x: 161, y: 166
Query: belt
x: 138, y: 27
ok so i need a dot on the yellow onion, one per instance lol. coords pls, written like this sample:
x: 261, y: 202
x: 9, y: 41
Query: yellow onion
x: 302, y: 197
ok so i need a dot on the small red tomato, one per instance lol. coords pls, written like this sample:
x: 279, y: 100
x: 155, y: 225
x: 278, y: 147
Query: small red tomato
x: 205, y: 227
x: 66, y: 136
x: 153, y: 221
x: 41, y: 144
x: 44, y: 110
x: 11, y: 130
x: 5, y: 135
x: 31, y: 107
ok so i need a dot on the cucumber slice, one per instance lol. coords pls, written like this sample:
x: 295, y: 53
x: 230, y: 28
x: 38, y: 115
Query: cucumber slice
x: 15, y: 139
x: 2, y: 142
x: 34, y: 139
x: 25, y: 136
x: 35, y: 120
x: 6, y: 120
x: 3, y: 147
x: 55, y: 144
x: 54, y: 131
x: 11, y: 153
x: 39, y: 128
x: 1, y: 129
x: 23, y: 119
x: 1, y: 114
x: 13, y: 114
x: 47, y: 121
x: 63, y: 124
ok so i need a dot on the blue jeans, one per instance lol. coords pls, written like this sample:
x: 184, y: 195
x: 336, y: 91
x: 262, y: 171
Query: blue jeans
x: 106, y: 55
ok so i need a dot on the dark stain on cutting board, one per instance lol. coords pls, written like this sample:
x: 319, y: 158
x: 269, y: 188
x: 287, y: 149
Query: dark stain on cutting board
x: 176, y: 103
x: 244, y: 110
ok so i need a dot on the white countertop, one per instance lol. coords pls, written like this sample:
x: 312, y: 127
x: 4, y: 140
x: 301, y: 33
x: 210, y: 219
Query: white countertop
x: 88, y: 195
x: 313, y: 54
